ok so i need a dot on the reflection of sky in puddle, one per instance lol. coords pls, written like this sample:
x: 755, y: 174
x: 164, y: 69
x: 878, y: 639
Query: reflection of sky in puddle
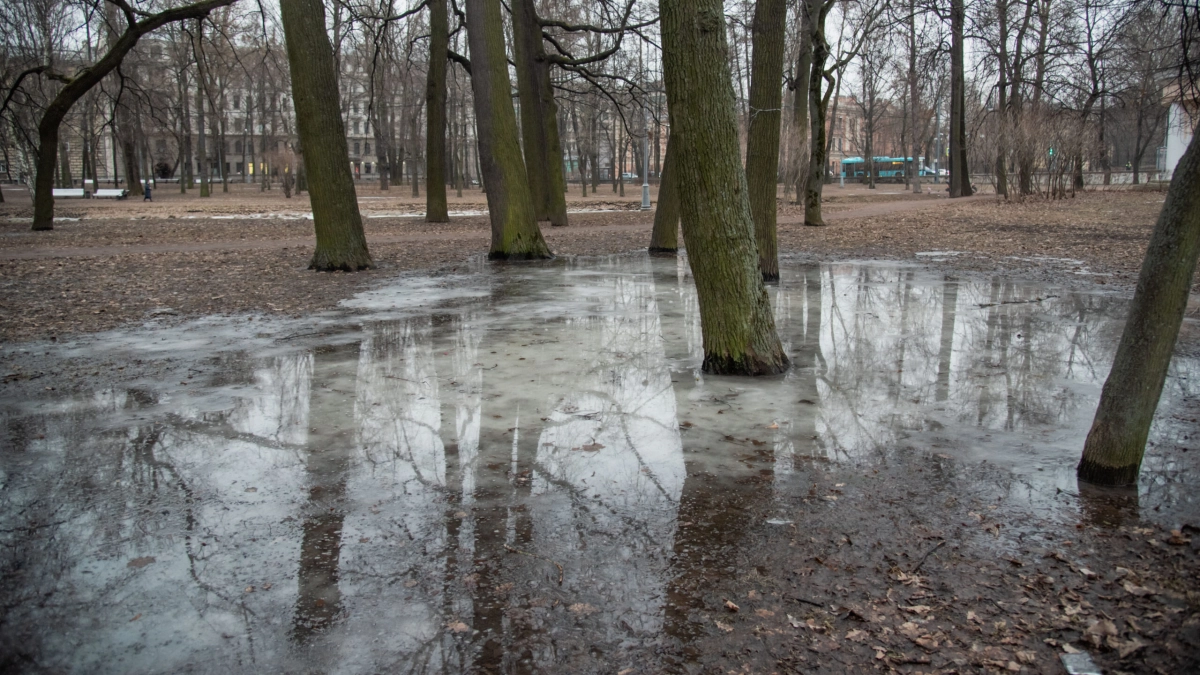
x: 385, y: 479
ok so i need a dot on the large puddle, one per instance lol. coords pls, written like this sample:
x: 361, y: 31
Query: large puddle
x: 512, y: 466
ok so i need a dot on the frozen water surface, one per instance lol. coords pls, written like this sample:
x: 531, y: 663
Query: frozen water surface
x: 453, y: 466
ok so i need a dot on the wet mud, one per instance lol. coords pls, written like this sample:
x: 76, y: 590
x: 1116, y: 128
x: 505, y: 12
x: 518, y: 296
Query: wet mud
x: 522, y: 469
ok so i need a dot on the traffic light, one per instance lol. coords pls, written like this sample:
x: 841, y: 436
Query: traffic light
x: 1051, y: 152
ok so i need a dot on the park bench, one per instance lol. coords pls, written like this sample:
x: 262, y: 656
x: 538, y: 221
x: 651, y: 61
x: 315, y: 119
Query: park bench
x: 112, y: 193
x: 69, y: 193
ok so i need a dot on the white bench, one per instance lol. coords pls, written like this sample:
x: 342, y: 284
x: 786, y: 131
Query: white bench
x: 112, y: 193
x: 69, y: 193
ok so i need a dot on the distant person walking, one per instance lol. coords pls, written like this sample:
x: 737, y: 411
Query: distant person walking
x: 146, y: 191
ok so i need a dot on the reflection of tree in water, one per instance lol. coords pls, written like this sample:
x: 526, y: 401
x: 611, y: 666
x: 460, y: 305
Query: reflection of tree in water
x: 331, y: 441
x: 1000, y: 356
x: 609, y: 465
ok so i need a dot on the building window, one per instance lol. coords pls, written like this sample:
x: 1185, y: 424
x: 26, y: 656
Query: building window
x: 239, y: 167
x: 237, y: 148
x: 368, y: 167
x: 356, y: 126
x: 356, y: 147
x: 354, y: 107
x: 367, y: 149
x: 237, y: 101
x: 160, y: 146
x: 367, y: 126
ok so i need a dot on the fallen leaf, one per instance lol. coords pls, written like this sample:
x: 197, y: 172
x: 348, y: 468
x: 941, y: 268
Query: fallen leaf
x: 917, y: 609
x: 1134, y: 589
x: 458, y: 627
x: 137, y: 563
x: 1101, y: 627
x: 1126, y: 648
x: 857, y: 635
x: 135, y: 618
x: 582, y: 608
x: 765, y: 613
x: 724, y: 626
x: 1070, y: 650
x: 591, y: 447
x: 249, y: 589
x: 731, y: 607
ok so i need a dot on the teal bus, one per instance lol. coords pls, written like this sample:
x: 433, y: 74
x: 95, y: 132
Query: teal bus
x: 886, y: 169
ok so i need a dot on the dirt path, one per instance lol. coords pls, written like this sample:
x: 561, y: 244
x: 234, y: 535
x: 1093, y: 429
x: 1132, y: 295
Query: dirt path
x: 49, y: 252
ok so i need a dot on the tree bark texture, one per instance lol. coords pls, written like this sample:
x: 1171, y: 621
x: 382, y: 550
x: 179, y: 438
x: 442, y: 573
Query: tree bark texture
x: 1112, y: 454
x: 515, y: 234
x: 818, y: 102
x: 664, y: 238
x: 80, y: 84
x: 341, y: 244
x: 539, y: 117
x: 735, y: 313
x: 960, y: 173
x: 800, y: 111
x: 762, y: 137
x: 435, y: 114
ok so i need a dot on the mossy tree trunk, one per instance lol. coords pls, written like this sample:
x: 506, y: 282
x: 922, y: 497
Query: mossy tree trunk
x: 435, y: 114
x: 762, y: 143
x: 1112, y: 454
x: 539, y: 117
x: 341, y: 244
x: 735, y: 313
x: 664, y: 238
x: 515, y: 234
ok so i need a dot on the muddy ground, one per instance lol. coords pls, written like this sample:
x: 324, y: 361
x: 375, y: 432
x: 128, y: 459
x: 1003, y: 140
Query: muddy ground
x: 107, y: 262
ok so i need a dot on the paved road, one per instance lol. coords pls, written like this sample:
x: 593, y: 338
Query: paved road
x: 878, y: 209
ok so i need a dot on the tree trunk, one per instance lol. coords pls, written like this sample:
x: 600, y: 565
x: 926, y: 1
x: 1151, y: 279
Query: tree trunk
x: 539, y: 117
x: 435, y: 115
x: 341, y: 244
x: 1112, y: 454
x: 64, y: 166
x: 960, y: 176
x: 664, y: 239
x: 818, y: 10
x: 914, y: 97
x: 133, y: 177
x: 201, y: 146
x: 515, y: 234
x: 762, y: 138
x: 735, y: 313
x: 800, y: 111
